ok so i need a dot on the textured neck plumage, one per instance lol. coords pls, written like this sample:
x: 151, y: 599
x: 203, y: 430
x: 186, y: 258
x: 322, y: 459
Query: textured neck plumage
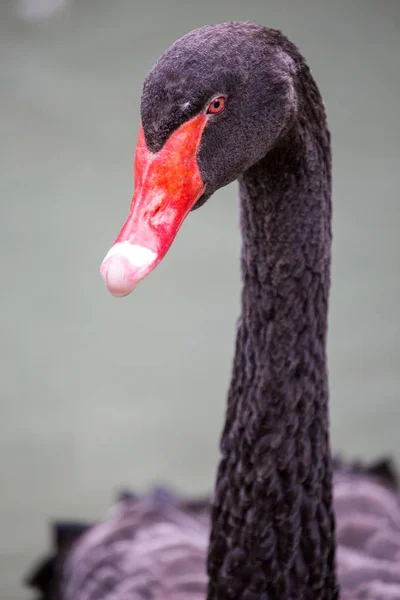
x: 272, y: 524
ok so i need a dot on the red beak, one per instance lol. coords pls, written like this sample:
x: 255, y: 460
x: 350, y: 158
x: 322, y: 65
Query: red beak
x: 167, y: 186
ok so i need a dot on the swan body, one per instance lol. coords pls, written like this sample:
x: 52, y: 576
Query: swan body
x: 286, y: 521
x: 164, y: 540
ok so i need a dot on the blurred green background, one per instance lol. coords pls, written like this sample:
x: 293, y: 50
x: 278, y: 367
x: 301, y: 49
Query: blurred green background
x: 96, y: 393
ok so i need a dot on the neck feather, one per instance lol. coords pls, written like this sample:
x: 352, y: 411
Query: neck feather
x: 272, y: 525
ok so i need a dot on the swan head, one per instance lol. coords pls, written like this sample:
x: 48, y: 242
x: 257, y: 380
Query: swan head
x: 216, y: 102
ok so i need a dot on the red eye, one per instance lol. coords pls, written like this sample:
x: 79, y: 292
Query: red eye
x: 216, y: 106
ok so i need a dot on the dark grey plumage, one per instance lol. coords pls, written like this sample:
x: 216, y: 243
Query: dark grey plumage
x: 368, y: 534
x: 272, y: 521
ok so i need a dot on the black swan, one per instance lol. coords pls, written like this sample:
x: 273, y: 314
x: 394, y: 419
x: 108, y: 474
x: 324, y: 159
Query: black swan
x: 287, y: 521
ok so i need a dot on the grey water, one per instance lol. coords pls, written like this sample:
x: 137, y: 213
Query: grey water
x: 98, y: 393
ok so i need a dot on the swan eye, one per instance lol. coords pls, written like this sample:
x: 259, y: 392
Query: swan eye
x: 216, y: 106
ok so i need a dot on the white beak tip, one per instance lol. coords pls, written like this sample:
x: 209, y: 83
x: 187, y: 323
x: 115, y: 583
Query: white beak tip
x: 124, y: 266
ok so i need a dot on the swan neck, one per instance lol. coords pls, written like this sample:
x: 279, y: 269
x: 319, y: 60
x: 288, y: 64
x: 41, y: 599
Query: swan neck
x: 272, y: 522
